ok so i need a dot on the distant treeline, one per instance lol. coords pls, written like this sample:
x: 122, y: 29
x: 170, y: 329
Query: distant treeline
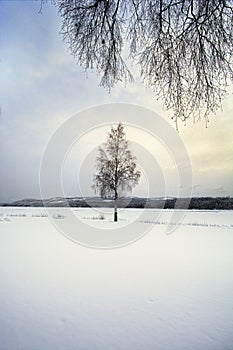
x: 201, y: 203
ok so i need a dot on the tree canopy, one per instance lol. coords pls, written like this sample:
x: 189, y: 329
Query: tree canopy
x: 183, y: 47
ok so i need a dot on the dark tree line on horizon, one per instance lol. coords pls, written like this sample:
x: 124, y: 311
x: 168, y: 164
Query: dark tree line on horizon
x: 198, y: 203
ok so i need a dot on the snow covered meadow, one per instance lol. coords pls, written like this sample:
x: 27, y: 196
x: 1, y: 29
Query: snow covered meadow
x: 163, y: 292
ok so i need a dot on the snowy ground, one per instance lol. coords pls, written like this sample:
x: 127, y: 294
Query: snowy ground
x: 163, y: 292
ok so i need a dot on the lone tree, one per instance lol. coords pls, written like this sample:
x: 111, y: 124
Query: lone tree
x: 183, y: 47
x: 116, y: 167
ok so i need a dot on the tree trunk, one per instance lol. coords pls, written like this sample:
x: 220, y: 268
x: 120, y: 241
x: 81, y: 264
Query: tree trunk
x: 115, y: 210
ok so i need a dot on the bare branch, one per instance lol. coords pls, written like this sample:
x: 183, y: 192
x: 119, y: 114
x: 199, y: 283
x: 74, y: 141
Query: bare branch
x: 183, y: 47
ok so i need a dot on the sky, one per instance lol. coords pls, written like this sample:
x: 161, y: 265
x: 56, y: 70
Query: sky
x: 43, y: 89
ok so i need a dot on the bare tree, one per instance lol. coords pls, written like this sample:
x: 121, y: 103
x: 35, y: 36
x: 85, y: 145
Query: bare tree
x: 183, y: 47
x: 116, y: 167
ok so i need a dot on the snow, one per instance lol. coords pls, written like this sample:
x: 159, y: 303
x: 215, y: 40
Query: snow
x: 163, y: 292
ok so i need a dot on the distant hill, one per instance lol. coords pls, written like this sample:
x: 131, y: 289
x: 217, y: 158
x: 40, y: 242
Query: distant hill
x: 203, y: 203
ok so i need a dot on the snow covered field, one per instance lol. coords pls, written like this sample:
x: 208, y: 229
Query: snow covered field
x: 163, y: 292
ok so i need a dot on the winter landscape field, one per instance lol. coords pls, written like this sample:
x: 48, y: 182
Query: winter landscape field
x: 163, y: 292
x: 122, y: 104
